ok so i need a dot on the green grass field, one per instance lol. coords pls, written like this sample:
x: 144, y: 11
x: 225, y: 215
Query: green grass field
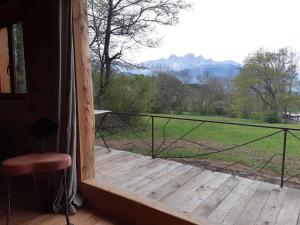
x: 219, y: 136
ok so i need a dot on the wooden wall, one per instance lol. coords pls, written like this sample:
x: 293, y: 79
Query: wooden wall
x: 41, y: 58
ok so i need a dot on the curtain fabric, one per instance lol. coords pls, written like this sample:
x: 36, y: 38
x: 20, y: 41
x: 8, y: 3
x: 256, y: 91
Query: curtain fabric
x: 67, y: 109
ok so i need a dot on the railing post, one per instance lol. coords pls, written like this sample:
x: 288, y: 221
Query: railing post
x: 283, y: 157
x: 153, y: 141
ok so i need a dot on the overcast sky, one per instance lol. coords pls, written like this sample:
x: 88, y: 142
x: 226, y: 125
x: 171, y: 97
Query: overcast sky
x: 230, y: 29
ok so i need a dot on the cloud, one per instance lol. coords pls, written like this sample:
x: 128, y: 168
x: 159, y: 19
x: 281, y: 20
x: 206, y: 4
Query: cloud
x: 230, y: 29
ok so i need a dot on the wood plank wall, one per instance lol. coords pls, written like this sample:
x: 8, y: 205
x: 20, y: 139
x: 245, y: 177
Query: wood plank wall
x: 41, y: 57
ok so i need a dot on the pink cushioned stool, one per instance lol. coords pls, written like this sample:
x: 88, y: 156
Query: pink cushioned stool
x: 33, y: 164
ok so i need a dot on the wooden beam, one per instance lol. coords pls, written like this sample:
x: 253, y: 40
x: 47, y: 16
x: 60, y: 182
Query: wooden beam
x: 130, y: 208
x: 86, y: 121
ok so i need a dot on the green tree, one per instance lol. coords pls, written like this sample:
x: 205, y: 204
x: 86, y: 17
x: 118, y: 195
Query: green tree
x: 131, y: 94
x: 271, y: 76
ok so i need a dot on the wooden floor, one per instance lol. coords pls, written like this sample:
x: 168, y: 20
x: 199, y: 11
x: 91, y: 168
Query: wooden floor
x: 25, y: 209
x: 85, y: 216
x: 219, y: 197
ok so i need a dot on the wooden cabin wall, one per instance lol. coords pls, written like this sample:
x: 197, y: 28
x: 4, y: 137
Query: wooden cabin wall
x: 40, y: 25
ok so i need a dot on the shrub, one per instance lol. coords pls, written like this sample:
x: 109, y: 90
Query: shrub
x: 130, y: 94
x: 271, y: 117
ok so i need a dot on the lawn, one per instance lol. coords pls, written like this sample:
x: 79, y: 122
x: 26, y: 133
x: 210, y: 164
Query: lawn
x: 220, y: 136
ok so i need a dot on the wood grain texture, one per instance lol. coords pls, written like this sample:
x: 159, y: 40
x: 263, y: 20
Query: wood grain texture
x: 206, y: 207
x: 255, y: 205
x: 270, y: 211
x: 225, y: 207
x: 207, y: 187
x: 85, y: 105
x: 238, y: 208
x: 289, y: 212
x: 27, y: 210
x: 157, y: 183
x: 199, y: 194
x: 85, y: 216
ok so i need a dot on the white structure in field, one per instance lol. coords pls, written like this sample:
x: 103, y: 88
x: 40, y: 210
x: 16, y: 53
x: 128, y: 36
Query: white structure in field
x: 292, y: 116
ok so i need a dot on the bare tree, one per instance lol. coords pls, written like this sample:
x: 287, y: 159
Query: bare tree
x: 119, y: 26
x: 169, y: 92
x: 185, y: 76
x: 214, y: 93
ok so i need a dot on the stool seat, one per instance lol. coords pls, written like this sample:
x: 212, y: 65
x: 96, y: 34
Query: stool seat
x: 35, y: 163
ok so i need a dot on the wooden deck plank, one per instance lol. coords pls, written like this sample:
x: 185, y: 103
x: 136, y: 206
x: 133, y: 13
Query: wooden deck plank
x: 118, y: 162
x: 174, y: 184
x: 272, y: 207
x: 115, y: 161
x: 126, y: 165
x: 160, y: 181
x: 113, y: 175
x: 289, y: 211
x: 221, y: 211
x: 190, y: 202
x: 130, y: 166
x: 238, y: 209
x: 148, y: 179
x: 255, y: 205
x: 108, y: 157
x: 177, y: 197
x: 141, y: 173
x: 206, y: 207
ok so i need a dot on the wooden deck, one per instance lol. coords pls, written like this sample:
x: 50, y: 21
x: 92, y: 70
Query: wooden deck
x: 219, y: 197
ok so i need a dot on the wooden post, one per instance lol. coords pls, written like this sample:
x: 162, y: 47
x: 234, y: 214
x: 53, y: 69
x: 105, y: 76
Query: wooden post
x: 86, y: 120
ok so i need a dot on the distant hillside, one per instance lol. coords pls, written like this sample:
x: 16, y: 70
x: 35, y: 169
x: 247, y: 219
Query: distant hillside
x: 194, y: 65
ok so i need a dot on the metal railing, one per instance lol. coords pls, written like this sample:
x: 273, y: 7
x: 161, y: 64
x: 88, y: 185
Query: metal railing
x: 156, y: 150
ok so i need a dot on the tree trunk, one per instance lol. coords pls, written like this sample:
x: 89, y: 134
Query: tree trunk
x: 100, y: 93
x: 107, y: 59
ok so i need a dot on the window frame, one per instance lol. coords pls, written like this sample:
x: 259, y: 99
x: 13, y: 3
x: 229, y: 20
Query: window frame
x: 13, y: 95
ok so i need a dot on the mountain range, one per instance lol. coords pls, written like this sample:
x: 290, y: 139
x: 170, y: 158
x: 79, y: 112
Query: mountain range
x: 195, y: 65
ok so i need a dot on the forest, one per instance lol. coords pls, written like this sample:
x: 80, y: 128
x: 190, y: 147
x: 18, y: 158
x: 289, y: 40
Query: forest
x: 266, y: 88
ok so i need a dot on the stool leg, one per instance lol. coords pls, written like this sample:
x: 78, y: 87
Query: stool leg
x: 8, y: 201
x: 66, y: 199
x: 38, y: 192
